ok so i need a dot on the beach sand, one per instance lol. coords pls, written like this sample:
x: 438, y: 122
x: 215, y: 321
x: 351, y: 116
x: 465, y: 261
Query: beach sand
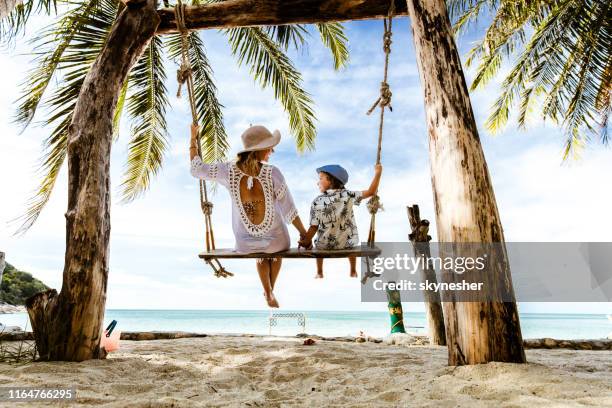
x: 221, y: 371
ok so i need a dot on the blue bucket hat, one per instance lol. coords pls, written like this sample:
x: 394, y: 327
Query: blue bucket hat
x: 335, y: 170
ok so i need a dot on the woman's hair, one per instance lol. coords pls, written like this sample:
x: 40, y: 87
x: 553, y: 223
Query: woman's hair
x: 248, y: 162
x: 335, y: 184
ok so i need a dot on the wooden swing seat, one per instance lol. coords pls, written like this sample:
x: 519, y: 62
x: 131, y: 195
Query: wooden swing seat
x: 293, y: 253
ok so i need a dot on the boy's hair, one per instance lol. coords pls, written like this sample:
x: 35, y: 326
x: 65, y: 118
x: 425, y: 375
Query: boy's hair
x: 335, y: 183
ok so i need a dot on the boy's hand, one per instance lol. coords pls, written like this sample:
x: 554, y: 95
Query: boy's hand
x: 304, y: 242
x: 378, y: 169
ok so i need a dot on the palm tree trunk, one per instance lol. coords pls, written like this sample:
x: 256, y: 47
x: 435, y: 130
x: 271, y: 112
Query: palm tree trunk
x: 466, y: 211
x: 68, y: 326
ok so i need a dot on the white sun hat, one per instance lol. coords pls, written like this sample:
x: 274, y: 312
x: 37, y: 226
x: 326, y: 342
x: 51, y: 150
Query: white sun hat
x: 259, y: 138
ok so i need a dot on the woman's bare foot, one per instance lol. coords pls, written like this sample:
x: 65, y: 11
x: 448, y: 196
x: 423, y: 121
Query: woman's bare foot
x: 354, y: 274
x: 271, y: 300
x: 319, y: 275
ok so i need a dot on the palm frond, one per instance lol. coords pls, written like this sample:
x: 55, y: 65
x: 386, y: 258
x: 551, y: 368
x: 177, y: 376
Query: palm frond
x: 46, y: 63
x: 334, y: 38
x: 146, y: 106
x: 565, y: 62
x: 15, y: 17
x: 74, y: 64
x: 209, y: 110
x: 271, y: 67
x: 288, y: 35
x: 119, y: 109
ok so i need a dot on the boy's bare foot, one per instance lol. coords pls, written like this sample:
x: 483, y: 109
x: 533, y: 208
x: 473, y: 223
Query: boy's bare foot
x: 319, y: 275
x: 271, y: 300
x: 354, y: 274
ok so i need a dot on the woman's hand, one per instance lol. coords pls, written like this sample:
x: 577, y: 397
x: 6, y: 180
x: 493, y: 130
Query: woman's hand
x: 304, y: 242
x: 195, y: 130
x: 193, y: 144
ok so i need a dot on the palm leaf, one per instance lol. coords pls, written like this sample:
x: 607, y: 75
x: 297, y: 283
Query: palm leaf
x: 288, y: 35
x: 271, y: 67
x: 146, y: 106
x: 334, y: 38
x: 565, y: 62
x: 38, y: 79
x: 15, y: 17
x: 208, y: 108
x: 74, y: 63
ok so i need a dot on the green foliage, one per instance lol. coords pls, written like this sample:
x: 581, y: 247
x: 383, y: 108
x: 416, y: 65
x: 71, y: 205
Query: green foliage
x: 17, y: 286
x: 147, y: 110
x: 66, y: 49
x: 561, y: 62
x: 271, y: 67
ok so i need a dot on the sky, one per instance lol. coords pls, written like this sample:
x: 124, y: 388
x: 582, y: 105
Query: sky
x: 155, y: 240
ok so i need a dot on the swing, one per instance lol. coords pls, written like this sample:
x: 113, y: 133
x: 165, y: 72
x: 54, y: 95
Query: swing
x: 212, y: 255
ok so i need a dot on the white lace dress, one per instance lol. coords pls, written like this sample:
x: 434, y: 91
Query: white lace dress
x: 271, y: 235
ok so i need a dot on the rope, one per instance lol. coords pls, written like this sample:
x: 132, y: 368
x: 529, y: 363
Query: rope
x: 184, y: 76
x: 384, y: 101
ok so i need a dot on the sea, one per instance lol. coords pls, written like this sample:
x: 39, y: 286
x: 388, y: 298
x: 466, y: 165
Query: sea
x: 325, y: 323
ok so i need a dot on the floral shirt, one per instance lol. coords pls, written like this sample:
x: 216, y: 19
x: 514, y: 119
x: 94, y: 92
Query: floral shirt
x: 332, y: 213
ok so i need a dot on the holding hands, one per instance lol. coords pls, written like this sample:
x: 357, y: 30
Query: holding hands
x: 304, y: 242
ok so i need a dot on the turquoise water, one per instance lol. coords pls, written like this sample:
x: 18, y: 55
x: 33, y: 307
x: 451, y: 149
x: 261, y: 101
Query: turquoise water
x: 559, y: 326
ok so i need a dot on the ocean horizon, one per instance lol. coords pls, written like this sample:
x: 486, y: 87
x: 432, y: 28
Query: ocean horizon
x: 326, y: 323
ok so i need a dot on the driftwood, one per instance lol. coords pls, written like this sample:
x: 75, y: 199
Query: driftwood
x: 293, y: 253
x: 433, y: 307
x: 241, y: 13
x: 543, y: 343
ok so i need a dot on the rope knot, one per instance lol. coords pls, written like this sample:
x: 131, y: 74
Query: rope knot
x: 385, y: 95
x: 207, y: 207
x: 182, y: 76
x: 223, y: 273
x: 384, y: 100
x: 387, y: 41
x: 374, y: 205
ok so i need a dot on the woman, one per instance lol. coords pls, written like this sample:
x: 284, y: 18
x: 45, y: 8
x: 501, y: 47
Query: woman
x: 261, y: 202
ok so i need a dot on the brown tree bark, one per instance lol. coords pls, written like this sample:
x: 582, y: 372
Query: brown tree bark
x: 433, y: 306
x: 242, y: 13
x: 466, y: 211
x: 68, y: 326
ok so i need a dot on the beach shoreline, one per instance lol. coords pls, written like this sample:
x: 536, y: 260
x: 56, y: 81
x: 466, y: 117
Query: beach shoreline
x: 220, y: 371
x: 6, y: 308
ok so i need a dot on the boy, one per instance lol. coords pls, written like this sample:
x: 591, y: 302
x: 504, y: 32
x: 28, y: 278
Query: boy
x: 331, y: 213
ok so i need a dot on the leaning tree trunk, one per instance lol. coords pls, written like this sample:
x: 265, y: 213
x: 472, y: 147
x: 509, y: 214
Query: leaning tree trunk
x: 466, y: 211
x: 68, y: 326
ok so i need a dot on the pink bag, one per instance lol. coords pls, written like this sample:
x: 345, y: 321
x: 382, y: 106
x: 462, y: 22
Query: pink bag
x: 111, y: 343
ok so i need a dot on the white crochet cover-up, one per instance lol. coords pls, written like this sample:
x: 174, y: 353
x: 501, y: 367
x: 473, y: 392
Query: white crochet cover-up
x: 271, y: 235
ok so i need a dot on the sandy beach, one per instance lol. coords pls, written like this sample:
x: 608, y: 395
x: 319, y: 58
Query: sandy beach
x: 222, y: 371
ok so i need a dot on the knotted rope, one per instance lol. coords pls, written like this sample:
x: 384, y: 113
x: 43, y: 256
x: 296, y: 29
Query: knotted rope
x: 384, y: 101
x: 184, y: 76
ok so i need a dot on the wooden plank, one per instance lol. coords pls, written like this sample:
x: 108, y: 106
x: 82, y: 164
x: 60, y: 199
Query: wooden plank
x: 248, y: 13
x: 293, y: 253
